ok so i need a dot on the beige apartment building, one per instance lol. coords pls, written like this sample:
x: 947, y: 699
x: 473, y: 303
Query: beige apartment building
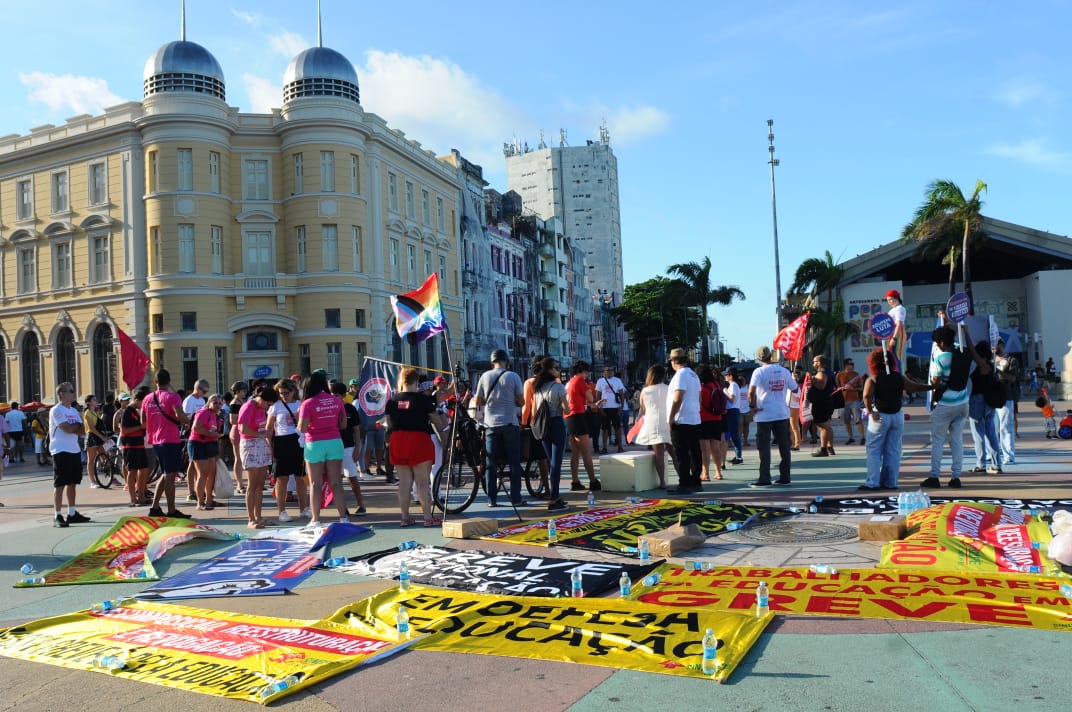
x: 228, y: 245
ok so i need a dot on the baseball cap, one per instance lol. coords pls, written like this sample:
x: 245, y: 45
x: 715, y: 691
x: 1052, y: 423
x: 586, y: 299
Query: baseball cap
x: 124, y: 396
x: 731, y: 371
x: 439, y: 379
x: 763, y: 353
x: 295, y: 377
x: 893, y: 293
x: 354, y: 382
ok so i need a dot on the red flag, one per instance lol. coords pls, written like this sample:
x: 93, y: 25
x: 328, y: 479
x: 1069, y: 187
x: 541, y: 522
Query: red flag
x: 790, y: 340
x: 135, y: 362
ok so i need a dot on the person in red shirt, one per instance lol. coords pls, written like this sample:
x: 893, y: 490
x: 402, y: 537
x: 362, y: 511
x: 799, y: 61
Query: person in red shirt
x: 712, y: 446
x: 204, y: 448
x: 581, y: 398
x: 255, y: 450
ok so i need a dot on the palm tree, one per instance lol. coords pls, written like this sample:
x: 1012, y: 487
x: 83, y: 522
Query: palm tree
x: 695, y: 281
x: 829, y: 326
x: 944, y: 212
x: 817, y: 275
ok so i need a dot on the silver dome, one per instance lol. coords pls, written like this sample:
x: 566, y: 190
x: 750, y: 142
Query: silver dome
x: 183, y: 66
x: 320, y: 72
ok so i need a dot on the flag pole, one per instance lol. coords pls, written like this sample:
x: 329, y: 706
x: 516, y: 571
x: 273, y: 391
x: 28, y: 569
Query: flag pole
x: 449, y: 459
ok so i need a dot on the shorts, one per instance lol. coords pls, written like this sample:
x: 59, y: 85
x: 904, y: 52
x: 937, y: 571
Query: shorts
x: 577, y: 425
x: 199, y: 450
x: 169, y: 455
x: 374, y: 438
x: 66, y: 468
x: 349, y: 467
x: 711, y: 430
x: 288, y: 455
x: 91, y: 440
x: 411, y: 447
x: 135, y: 458
x: 323, y: 451
x: 611, y: 419
x: 255, y: 453
x: 852, y: 412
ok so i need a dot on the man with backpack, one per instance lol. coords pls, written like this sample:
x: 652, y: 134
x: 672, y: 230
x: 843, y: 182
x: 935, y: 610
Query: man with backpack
x: 949, y: 373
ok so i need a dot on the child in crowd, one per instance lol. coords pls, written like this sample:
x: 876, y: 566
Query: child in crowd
x: 1043, y: 402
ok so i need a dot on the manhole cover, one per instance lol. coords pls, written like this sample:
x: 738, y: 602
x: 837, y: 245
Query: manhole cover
x: 798, y: 531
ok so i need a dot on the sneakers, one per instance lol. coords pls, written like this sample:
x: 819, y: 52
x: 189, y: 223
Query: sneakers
x: 59, y: 522
x: 954, y: 482
x: 344, y: 520
x: 284, y: 517
x: 361, y: 511
x: 191, y: 497
x: 156, y: 512
x: 93, y: 485
x: 391, y: 480
x: 757, y: 483
x: 176, y: 514
x: 978, y: 470
x: 736, y: 461
x: 77, y: 518
x: 783, y: 483
x: 577, y: 487
x: 314, y: 525
x: 307, y: 513
x: 820, y: 452
x: 932, y: 482
x: 557, y: 506
x: 850, y: 441
x: 595, y: 485
x: 992, y: 470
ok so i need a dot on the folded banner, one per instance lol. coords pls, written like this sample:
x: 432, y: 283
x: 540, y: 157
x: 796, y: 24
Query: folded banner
x: 316, y: 539
x: 255, y: 567
x: 967, y: 537
x: 617, y: 528
x: 594, y: 631
x: 1017, y: 600
x: 883, y: 504
x: 232, y: 655
x: 127, y: 550
x: 494, y: 571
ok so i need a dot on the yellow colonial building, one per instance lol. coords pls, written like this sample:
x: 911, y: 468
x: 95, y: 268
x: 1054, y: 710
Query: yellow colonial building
x: 227, y: 245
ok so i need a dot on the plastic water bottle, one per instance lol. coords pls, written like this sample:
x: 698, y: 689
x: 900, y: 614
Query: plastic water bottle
x: 710, y: 652
x: 625, y: 585
x: 335, y: 562
x: 407, y: 545
x: 103, y: 606
x: 552, y: 532
x: 643, y: 549
x: 902, y: 504
x: 652, y: 579
x: 27, y: 568
x: 632, y: 500
x: 402, y: 621
x: 34, y: 580
x: 819, y: 498
x: 822, y: 569
x: 576, y: 584
x: 733, y: 526
x: 109, y: 662
x: 1066, y: 591
x: 813, y: 508
x: 278, y: 686
x: 713, y: 502
x: 591, y: 498
x: 794, y: 509
x: 403, y: 576
x: 762, y: 599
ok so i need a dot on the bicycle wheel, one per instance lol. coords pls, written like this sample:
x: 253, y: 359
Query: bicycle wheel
x: 535, y: 484
x: 102, y: 471
x: 454, y: 490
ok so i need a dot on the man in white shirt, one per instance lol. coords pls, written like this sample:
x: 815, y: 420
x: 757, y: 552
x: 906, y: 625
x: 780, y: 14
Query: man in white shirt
x: 190, y: 405
x: 612, y: 390
x: 16, y: 423
x: 683, y: 405
x: 770, y: 412
x: 65, y: 425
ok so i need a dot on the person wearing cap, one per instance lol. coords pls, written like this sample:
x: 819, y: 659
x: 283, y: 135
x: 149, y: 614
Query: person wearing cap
x: 683, y: 413
x: 899, y: 314
x: 766, y: 398
x: 353, y: 387
x: 732, y: 429
x: 1008, y: 372
x: 500, y: 392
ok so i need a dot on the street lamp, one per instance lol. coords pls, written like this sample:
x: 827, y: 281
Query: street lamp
x: 774, y: 215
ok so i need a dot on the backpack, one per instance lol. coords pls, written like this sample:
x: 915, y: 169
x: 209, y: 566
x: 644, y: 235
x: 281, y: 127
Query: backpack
x: 959, y: 371
x: 993, y: 391
x: 717, y: 405
x: 541, y: 420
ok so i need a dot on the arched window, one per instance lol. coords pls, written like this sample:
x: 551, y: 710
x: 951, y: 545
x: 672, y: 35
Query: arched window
x: 31, y: 368
x: 3, y: 374
x: 104, y: 375
x: 64, y: 355
x: 396, y: 341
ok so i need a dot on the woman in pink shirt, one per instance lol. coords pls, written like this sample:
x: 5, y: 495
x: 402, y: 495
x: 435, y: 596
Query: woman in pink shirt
x: 204, y: 447
x: 320, y: 418
x: 255, y: 450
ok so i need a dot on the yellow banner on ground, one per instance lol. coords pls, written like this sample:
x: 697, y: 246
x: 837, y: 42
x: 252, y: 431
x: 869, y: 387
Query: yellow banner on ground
x: 595, y: 631
x: 1017, y: 600
x: 244, y: 657
x: 972, y: 537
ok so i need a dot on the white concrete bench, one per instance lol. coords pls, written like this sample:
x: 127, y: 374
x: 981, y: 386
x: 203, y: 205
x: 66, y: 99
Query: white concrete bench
x: 628, y: 472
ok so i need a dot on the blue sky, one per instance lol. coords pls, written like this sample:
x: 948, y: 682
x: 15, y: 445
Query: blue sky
x: 871, y: 101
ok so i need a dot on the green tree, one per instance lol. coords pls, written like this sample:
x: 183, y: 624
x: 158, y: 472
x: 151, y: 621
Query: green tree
x: 650, y: 312
x: 695, y: 280
x: 948, y: 223
x: 818, y: 275
x: 829, y: 327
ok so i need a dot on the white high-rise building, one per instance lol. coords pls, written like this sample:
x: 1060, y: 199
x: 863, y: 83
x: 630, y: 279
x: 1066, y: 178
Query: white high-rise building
x: 578, y: 185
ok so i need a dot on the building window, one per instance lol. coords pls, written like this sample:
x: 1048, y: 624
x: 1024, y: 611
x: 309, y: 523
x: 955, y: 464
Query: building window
x: 393, y: 258
x: 430, y: 352
x: 411, y: 201
x: 188, y: 321
x: 154, y: 172
x: 24, y: 210
x: 427, y: 263
x: 100, y: 267
x: 411, y: 262
x: 426, y: 208
x: 299, y: 243
x: 334, y: 360
x: 158, y: 358
x: 305, y: 361
x: 158, y: 251
x: 156, y: 322
x: 359, y: 318
x: 216, y: 233
x: 262, y: 341
x: 327, y: 171
x: 332, y: 318
x: 256, y: 179
x: 329, y: 235
x: 98, y: 184
x: 187, y: 257
x: 61, y: 265
x: 392, y: 192
x: 443, y: 273
x: 221, y: 369
x: 27, y: 280
x: 299, y: 173
x: 186, y: 169
x: 61, y: 200
x: 362, y: 350
x: 439, y: 214
x: 214, y: 171
x: 355, y: 174
x: 258, y: 251
x: 190, y: 372
x: 356, y: 248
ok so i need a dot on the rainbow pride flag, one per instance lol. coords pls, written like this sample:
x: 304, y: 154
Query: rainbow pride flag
x: 419, y: 314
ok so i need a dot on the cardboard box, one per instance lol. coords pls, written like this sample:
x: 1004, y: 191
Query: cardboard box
x: 674, y: 540
x: 465, y: 528
x: 883, y: 527
x: 628, y: 472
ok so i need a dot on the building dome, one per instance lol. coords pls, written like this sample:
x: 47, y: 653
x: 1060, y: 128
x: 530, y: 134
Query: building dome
x: 183, y: 66
x: 320, y: 72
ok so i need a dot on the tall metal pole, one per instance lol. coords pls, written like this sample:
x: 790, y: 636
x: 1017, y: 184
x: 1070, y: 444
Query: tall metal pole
x: 774, y: 216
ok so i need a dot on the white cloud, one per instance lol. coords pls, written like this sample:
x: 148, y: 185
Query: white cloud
x: 288, y: 44
x: 263, y: 93
x: 81, y: 95
x: 629, y: 124
x: 1032, y: 151
x: 253, y: 19
x: 1017, y: 94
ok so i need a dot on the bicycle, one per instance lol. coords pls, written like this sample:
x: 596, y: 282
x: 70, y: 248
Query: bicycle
x: 155, y: 473
x: 108, y: 468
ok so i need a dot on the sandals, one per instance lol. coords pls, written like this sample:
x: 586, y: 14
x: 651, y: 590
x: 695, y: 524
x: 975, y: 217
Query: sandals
x: 406, y: 522
x: 717, y: 477
x: 239, y: 491
x: 705, y: 478
x: 255, y: 525
x: 432, y: 522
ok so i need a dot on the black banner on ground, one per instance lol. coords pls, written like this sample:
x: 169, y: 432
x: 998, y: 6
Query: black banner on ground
x: 883, y: 505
